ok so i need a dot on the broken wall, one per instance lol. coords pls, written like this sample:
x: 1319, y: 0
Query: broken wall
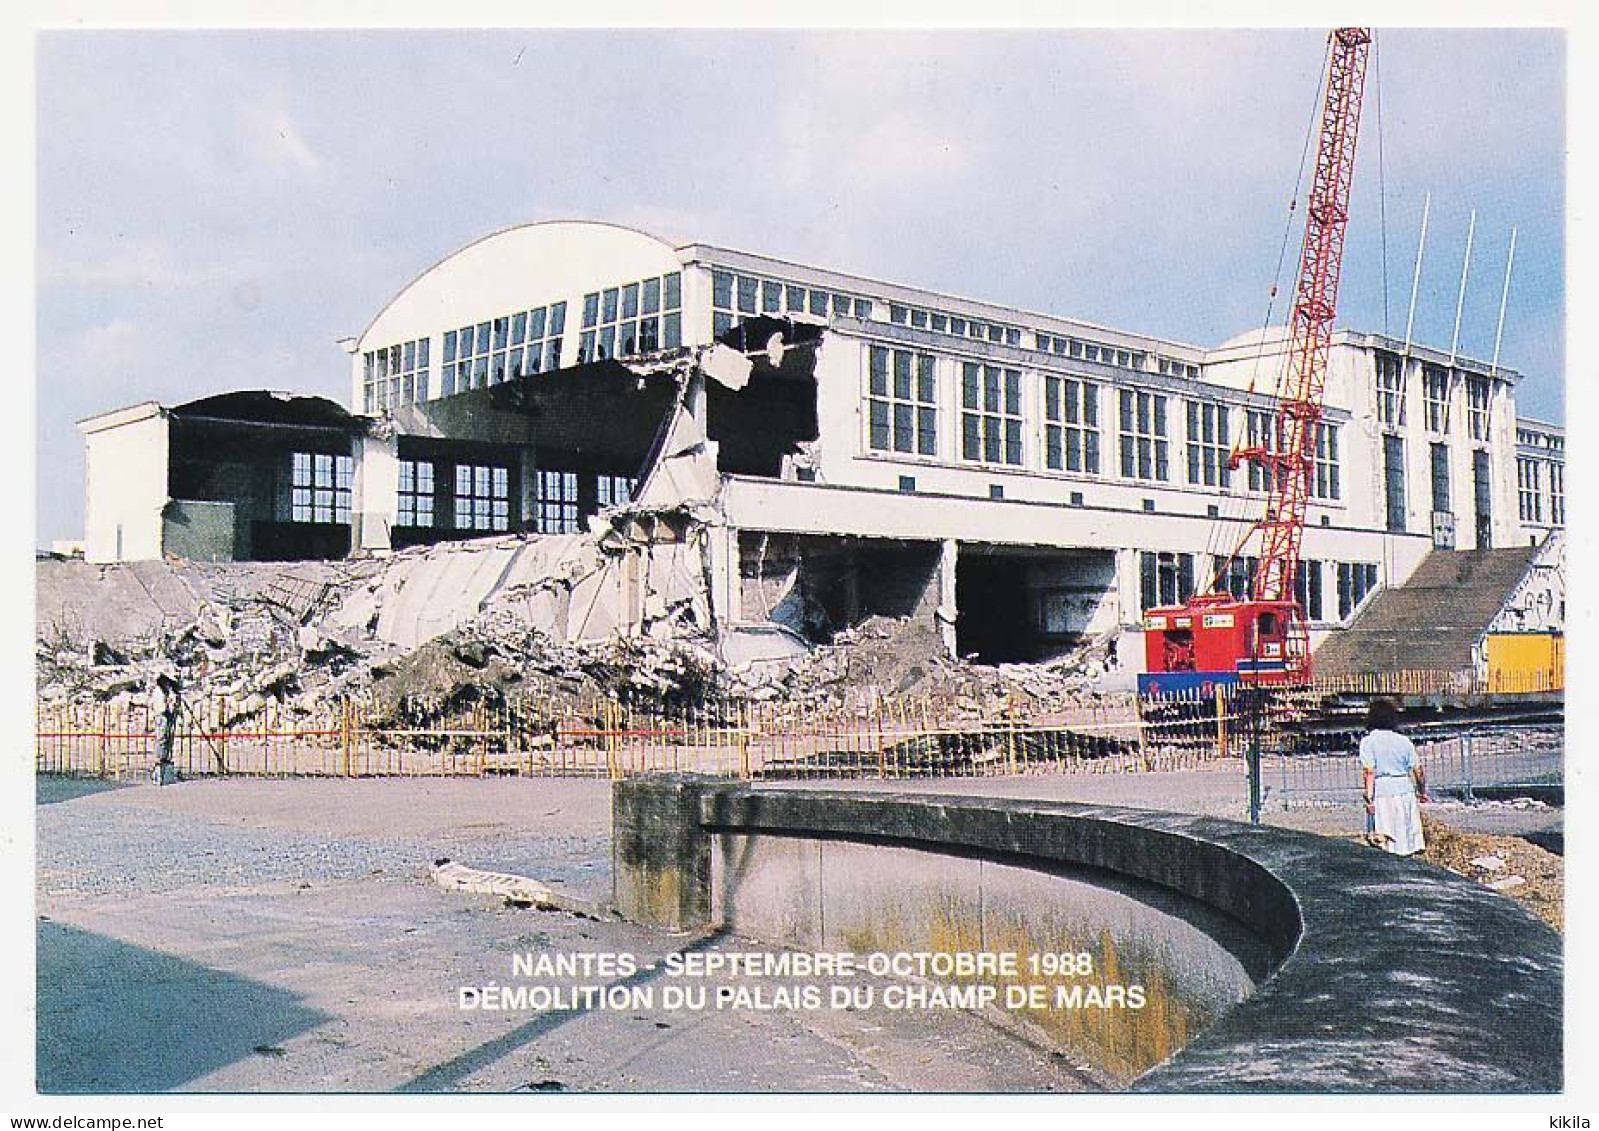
x: 125, y: 484
x: 818, y: 587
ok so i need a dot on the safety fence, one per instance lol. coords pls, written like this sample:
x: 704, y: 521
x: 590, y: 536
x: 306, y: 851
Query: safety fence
x: 1432, y: 682
x: 1305, y: 734
x: 859, y: 735
x: 1457, y: 763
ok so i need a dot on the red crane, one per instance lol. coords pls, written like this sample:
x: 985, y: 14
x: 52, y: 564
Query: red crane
x: 1215, y: 637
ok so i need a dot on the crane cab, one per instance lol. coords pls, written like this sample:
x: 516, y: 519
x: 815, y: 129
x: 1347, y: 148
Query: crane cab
x: 1217, y: 640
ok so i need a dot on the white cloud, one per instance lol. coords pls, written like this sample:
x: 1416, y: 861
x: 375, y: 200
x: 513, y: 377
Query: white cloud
x: 120, y: 344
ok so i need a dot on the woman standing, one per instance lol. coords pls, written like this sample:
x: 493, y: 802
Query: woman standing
x: 1393, y: 780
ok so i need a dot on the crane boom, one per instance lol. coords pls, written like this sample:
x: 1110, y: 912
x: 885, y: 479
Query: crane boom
x: 1215, y: 637
x: 1292, y: 464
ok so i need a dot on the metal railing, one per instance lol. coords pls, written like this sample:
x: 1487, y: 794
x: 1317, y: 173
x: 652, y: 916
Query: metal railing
x: 859, y: 734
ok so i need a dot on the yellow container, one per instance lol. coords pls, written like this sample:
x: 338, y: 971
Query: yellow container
x: 1526, y: 661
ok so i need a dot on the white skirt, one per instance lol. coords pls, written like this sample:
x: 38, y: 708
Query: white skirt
x: 1398, y: 823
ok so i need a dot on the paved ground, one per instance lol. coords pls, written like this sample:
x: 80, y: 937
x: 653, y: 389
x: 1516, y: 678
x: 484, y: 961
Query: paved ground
x: 283, y: 936
x: 252, y: 935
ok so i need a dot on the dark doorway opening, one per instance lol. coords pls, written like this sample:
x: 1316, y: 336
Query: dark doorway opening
x: 994, y: 624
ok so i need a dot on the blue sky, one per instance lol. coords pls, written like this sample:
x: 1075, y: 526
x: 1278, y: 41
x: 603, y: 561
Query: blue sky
x: 216, y: 209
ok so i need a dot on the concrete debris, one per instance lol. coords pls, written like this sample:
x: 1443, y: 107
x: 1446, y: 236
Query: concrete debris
x: 516, y: 891
x: 620, y: 610
x: 1488, y: 863
x: 1507, y: 883
x: 906, y: 658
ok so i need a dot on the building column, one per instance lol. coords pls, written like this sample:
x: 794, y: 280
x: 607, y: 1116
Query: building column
x: 947, y: 611
x: 721, y: 550
x: 528, y: 504
x: 1128, y: 611
x: 375, y: 502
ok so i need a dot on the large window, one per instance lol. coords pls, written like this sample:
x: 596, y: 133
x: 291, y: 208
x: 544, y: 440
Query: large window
x: 614, y: 490
x: 394, y: 375
x: 991, y: 414
x: 1479, y: 405
x: 416, y: 493
x: 1239, y: 578
x: 1262, y: 431
x: 1208, y: 443
x: 901, y: 402
x: 1356, y: 581
x: 1324, y: 481
x: 1529, y: 490
x: 320, y: 487
x: 1435, y: 397
x: 1390, y: 388
x: 555, y: 502
x: 1307, y: 588
x: 1557, y: 494
x: 1441, y: 502
x: 503, y: 348
x: 1393, y: 478
x: 1071, y: 425
x: 1165, y: 579
x: 632, y: 319
x: 482, y: 497
x: 1482, y: 493
x: 1143, y: 435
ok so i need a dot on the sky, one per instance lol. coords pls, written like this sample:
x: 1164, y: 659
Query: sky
x: 216, y: 209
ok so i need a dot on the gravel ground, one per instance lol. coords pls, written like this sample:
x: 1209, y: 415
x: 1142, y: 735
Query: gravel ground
x: 235, y: 834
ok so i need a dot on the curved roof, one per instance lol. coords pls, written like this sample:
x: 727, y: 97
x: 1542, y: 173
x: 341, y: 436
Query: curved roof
x: 519, y: 267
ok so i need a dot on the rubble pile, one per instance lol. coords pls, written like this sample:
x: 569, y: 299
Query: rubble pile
x: 301, y: 635
x: 906, y: 658
x: 426, y: 633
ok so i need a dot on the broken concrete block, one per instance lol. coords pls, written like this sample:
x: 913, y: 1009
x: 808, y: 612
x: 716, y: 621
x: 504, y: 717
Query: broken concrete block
x: 1507, y: 883
x: 1488, y: 863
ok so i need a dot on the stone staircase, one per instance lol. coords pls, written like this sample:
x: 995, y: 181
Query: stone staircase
x: 1432, y: 621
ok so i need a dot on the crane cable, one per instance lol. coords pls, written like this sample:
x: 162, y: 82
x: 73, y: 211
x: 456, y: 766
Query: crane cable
x: 1234, y: 507
x: 1382, y: 180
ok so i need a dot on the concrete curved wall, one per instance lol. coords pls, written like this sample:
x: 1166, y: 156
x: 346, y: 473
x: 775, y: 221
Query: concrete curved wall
x: 1390, y: 975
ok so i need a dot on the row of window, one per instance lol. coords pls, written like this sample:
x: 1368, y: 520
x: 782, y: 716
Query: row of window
x: 1537, y: 438
x: 735, y: 295
x: 395, y: 375
x: 503, y: 348
x: 1530, y: 490
x: 1437, y: 387
x: 1120, y: 356
x: 1395, y: 502
x: 482, y: 497
x: 902, y: 416
x: 939, y: 323
x: 632, y: 319
x: 1166, y: 579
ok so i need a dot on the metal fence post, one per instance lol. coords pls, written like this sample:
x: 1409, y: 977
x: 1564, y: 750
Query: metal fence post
x: 1466, y: 753
x: 1254, y: 756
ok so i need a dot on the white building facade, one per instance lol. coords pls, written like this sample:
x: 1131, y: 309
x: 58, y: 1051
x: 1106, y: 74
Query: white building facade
x: 1037, y: 479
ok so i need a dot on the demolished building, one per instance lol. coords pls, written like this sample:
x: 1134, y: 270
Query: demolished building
x: 773, y: 453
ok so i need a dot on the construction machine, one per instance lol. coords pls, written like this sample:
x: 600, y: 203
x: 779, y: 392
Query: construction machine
x: 1215, y: 638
